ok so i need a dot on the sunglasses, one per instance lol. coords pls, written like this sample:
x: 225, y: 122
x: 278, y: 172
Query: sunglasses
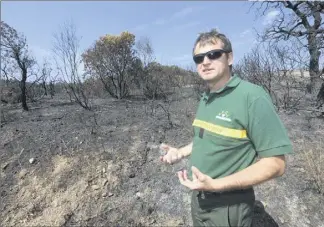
x: 212, y: 55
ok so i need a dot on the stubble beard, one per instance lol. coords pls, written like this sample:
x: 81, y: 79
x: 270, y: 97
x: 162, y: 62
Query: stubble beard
x: 218, y: 81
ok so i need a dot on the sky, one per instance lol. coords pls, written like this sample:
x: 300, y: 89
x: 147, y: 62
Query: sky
x: 172, y: 26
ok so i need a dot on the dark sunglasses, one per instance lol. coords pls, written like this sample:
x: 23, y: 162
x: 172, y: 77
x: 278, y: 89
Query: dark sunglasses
x: 212, y: 55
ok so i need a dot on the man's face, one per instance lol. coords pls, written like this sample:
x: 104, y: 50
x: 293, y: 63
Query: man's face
x: 213, y: 70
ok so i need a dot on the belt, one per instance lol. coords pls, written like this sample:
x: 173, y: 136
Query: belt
x: 224, y: 193
x: 205, y: 198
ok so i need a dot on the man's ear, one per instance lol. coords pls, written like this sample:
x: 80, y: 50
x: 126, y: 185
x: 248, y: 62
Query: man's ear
x: 230, y: 58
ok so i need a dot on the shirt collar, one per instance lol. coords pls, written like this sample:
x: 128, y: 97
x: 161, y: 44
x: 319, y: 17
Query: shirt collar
x: 233, y: 82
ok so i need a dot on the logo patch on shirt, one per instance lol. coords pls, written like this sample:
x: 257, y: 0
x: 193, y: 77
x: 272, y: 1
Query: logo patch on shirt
x: 224, y: 115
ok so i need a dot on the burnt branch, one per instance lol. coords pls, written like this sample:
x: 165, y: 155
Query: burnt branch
x: 66, y: 49
x: 295, y: 21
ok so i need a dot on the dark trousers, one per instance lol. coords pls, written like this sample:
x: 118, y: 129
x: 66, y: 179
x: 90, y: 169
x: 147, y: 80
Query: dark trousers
x: 226, y: 209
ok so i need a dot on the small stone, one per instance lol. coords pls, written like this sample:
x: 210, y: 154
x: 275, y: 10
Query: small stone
x: 132, y: 175
x: 152, y: 221
x: 302, y: 170
x: 103, y: 170
x: 8, y: 219
x: 5, y: 166
x: 68, y: 215
x: 138, y: 195
x: 104, y: 182
x: 281, y: 220
x: 31, y: 161
x: 150, y: 210
x: 152, y: 145
x: 22, y: 173
x: 105, y: 194
x: 95, y: 187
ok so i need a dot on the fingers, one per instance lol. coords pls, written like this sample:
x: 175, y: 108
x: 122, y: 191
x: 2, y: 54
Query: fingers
x: 185, y: 177
x: 164, y: 149
x: 171, y: 155
x: 164, y: 146
x: 196, y: 174
x: 161, y: 158
x: 167, y: 158
x: 174, y: 157
x: 182, y: 174
x: 194, y: 177
x: 165, y: 155
x: 182, y: 178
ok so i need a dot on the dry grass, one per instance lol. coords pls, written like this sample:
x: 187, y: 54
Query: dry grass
x: 52, y: 200
x: 306, y: 132
x: 314, y: 163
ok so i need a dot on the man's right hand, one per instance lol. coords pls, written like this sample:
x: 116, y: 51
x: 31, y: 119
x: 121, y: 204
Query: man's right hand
x: 172, y: 154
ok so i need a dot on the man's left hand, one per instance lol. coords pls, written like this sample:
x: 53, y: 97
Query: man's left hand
x: 200, y: 181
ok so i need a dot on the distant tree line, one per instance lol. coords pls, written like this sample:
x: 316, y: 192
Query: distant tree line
x: 121, y: 65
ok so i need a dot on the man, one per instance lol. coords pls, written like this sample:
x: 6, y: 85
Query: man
x: 235, y: 124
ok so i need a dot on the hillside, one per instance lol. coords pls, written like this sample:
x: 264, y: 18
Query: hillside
x: 101, y: 168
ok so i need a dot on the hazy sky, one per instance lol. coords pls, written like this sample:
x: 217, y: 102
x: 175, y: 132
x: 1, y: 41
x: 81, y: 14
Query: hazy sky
x: 172, y: 26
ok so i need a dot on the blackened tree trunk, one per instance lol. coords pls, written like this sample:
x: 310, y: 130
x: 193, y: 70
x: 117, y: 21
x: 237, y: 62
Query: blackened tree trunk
x: 23, y: 89
x: 45, y: 89
x: 314, y: 71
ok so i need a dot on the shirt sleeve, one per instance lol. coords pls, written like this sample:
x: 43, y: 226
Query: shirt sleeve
x: 266, y: 130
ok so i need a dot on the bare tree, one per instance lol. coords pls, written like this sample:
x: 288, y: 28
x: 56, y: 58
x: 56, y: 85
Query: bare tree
x: 8, y: 68
x: 301, y: 20
x: 145, y: 51
x: 39, y: 87
x: 45, y: 75
x: 14, y: 46
x: 52, y: 81
x: 34, y: 91
x: 278, y: 70
x: 154, y: 79
x: 11, y: 92
x: 68, y: 59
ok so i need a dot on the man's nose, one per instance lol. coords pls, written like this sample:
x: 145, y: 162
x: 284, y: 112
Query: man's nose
x: 206, y: 61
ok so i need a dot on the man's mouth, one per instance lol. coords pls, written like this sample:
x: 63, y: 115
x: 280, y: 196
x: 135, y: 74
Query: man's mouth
x: 207, y: 70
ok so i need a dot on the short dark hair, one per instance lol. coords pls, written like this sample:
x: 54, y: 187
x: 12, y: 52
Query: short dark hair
x: 212, y: 37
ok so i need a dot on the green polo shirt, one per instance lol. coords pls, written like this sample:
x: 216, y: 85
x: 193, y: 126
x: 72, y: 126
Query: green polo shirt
x: 234, y: 126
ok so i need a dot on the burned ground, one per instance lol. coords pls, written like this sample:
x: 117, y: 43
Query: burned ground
x: 101, y: 167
